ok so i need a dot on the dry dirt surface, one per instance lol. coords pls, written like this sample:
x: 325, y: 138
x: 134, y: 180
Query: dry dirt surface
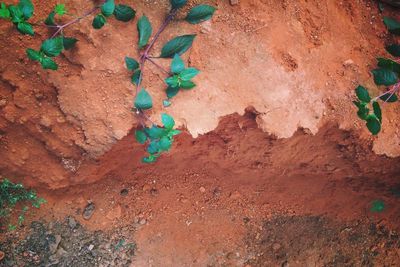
x: 273, y: 168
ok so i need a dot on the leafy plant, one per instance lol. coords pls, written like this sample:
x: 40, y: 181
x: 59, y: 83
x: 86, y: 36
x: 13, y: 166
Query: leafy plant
x: 53, y: 47
x: 15, y: 195
x: 387, y: 75
x: 160, y: 139
x: 19, y: 15
x: 377, y: 206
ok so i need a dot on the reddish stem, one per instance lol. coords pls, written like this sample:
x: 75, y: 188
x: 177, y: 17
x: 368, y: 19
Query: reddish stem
x: 158, y: 66
x: 394, y: 89
x: 76, y: 20
x: 145, y: 56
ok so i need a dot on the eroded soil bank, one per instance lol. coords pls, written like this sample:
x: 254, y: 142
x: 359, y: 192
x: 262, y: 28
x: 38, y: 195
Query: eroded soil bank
x: 238, y: 196
x: 273, y: 170
x: 296, y: 62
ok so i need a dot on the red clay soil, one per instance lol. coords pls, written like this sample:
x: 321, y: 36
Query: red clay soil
x: 208, y: 200
x: 238, y: 194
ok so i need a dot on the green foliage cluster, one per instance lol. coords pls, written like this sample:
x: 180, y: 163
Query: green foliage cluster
x: 15, y: 195
x: 19, y: 15
x: 377, y: 206
x: 181, y: 77
x: 386, y: 74
x: 160, y: 139
x: 121, y: 12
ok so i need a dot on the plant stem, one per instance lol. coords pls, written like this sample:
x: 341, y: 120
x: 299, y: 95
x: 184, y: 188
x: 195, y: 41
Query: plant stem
x: 394, y: 89
x: 158, y: 66
x: 76, y: 20
x: 145, y: 56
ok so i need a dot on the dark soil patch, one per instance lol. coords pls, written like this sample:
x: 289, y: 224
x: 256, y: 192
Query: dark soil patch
x: 69, y: 244
x: 316, y: 241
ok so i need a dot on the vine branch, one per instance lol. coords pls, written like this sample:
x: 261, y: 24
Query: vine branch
x: 60, y: 28
x: 145, y: 56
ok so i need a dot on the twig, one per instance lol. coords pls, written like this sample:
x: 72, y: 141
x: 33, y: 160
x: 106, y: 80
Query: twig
x: 145, y: 56
x: 395, y: 88
x: 158, y: 66
x: 61, y: 27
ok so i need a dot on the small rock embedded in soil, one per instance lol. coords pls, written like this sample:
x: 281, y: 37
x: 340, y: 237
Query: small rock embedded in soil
x: 202, y: 189
x: 71, y: 222
x: 88, y: 211
x: 234, y: 2
x: 124, y: 192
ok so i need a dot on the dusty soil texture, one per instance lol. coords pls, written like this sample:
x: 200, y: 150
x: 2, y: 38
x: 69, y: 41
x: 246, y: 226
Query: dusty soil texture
x: 314, y: 241
x: 274, y: 169
x: 214, y: 199
x: 66, y: 243
x: 292, y: 61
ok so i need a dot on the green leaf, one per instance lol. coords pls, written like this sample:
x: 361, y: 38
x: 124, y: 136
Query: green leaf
x: 394, y: 50
x: 25, y: 28
x: 377, y: 111
x: 136, y: 76
x: 145, y: 30
x: 166, y: 103
x: 164, y: 144
x: 377, y: 206
x: 69, y: 42
x: 200, y: 13
x: 172, y: 81
x: 48, y: 63
x: 149, y: 159
x: 177, y: 64
x: 26, y: 8
x: 143, y: 100
x: 393, y: 25
x: 363, y: 112
x: 389, y: 64
x: 178, y: 3
x: 4, y: 12
x: 188, y: 74
x: 172, y: 91
x: 187, y: 85
x: 363, y: 94
x: 50, y: 19
x: 60, y: 9
x: 99, y: 21
x: 33, y: 54
x: 124, y: 13
x: 107, y: 9
x: 140, y: 136
x: 373, y: 125
x: 178, y: 45
x: 174, y: 132
x: 168, y: 121
x: 384, y: 77
x: 389, y: 97
x: 153, y: 147
x: 52, y: 47
x: 16, y: 14
x: 155, y: 132
x: 131, y: 63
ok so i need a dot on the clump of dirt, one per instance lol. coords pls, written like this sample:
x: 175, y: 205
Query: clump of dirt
x: 67, y: 243
x: 317, y: 241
